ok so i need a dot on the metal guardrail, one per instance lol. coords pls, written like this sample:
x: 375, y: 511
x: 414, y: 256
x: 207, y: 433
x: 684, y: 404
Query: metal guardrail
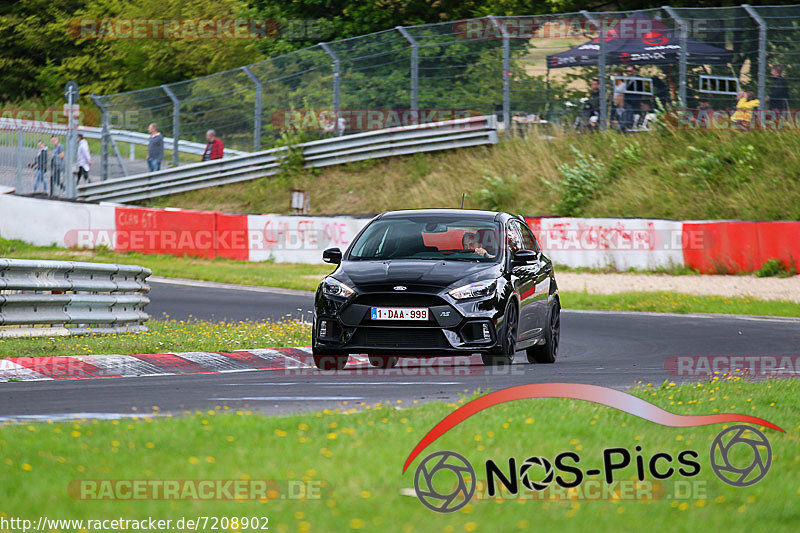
x: 89, y: 297
x: 404, y: 140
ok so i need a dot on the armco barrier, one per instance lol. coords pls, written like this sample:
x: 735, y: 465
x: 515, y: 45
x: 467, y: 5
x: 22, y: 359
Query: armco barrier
x: 91, y: 297
x: 708, y: 246
x: 460, y: 133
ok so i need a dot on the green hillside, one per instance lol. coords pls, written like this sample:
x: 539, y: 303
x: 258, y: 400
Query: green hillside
x: 665, y: 174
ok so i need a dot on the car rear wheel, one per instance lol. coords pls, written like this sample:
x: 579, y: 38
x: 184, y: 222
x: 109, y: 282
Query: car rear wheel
x: 330, y: 361
x: 547, y: 353
x: 383, y: 361
x: 509, y: 341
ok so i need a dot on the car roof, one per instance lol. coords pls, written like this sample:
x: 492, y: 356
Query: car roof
x: 477, y: 213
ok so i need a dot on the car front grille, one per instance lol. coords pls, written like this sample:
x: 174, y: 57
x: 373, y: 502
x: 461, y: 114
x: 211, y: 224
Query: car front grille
x: 383, y: 299
x: 400, y: 338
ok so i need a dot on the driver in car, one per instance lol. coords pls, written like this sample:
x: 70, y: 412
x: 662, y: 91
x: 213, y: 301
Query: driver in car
x: 471, y: 241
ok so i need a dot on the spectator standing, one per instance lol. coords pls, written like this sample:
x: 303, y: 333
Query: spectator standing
x: 84, y: 159
x: 594, y: 94
x: 660, y: 91
x: 633, y: 99
x: 40, y: 164
x: 56, y: 164
x: 214, y: 146
x: 155, y: 148
x: 746, y: 103
x: 620, y: 87
x: 341, y: 126
x: 327, y: 125
x: 622, y: 114
x: 779, y: 91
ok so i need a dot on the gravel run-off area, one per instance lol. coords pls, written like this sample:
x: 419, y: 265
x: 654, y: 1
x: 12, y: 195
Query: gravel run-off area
x: 761, y: 288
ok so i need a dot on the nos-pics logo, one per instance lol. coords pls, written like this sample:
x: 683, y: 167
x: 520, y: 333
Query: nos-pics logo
x: 445, y: 481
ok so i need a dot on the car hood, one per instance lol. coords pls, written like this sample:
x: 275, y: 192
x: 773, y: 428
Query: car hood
x: 433, y: 273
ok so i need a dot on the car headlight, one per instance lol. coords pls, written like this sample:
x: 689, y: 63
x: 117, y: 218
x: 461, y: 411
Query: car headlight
x: 475, y: 290
x: 334, y: 287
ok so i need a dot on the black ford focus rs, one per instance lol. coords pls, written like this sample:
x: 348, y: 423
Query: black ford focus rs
x: 438, y: 282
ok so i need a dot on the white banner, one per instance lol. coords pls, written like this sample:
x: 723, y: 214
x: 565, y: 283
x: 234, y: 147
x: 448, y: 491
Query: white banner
x: 621, y: 243
x: 299, y: 239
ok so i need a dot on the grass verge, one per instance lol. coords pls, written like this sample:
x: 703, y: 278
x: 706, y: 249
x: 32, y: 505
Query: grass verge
x: 167, y: 336
x: 672, y: 302
x: 355, y: 457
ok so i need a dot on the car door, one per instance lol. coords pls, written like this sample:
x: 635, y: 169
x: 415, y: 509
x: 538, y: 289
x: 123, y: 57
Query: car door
x: 541, y: 274
x: 523, y: 278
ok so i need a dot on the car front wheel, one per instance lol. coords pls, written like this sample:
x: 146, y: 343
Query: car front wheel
x: 547, y: 353
x: 508, y: 341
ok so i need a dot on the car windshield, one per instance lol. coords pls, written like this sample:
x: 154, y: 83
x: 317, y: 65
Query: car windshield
x: 429, y: 237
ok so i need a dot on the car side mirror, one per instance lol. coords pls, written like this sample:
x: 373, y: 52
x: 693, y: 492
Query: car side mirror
x: 524, y: 257
x: 332, y: 255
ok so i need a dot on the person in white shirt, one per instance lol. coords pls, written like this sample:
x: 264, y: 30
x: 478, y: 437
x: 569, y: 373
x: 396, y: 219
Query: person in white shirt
x: 84, y: 159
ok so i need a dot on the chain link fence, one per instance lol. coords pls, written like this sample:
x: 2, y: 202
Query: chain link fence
x: 528, y: 70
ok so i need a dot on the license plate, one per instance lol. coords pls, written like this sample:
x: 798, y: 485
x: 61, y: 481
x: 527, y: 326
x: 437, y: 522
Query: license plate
x: 399, y: 313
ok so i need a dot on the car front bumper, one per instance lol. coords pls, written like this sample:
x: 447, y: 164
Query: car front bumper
x: 453, y: 327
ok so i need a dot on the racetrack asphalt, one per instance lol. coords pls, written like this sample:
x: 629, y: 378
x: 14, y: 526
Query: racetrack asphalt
x: 613, y: 349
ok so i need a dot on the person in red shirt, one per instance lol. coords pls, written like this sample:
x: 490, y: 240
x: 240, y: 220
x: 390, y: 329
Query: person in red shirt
x: 214, y: 146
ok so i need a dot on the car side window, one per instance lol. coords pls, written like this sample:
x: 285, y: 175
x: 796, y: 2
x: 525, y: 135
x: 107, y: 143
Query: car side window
x: 528, y: 240
x: 514, y: 236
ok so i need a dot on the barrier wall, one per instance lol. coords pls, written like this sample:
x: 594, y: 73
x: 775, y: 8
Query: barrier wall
x: 733, y: 246
x: 620, y: 243
x: 708, y: 246
x: 299, y: 239
x: 46, y: 222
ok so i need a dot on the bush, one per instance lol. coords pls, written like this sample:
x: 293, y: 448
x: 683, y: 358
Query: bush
x: 579, y: 183
x: 775, y: 267
x: 498, y: 193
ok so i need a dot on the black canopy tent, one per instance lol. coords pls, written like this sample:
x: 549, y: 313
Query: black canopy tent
x: 638, y: 40
x: 643, y: 41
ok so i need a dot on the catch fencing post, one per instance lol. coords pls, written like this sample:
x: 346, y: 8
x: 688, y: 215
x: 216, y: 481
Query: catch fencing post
x: 176, y: 122
x: 506, y: 73
x: 414, y: 73
x: 104, y: 138
x: 684, y: 37
x: 257, y: 112
x: 336, y: 79
x: 18, y: 159
x: 601, y: 64
x: 762, y: 60
x: 71, y: 95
